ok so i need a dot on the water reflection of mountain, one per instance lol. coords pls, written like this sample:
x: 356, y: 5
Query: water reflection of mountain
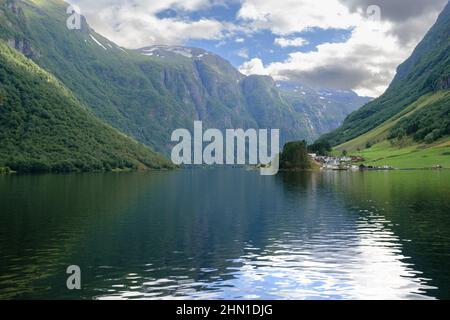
x: 45, y: 221
x: 220, y: 234
x: 229, y: 234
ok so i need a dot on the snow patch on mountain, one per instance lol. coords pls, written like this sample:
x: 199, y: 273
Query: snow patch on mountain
x: 97, y: 42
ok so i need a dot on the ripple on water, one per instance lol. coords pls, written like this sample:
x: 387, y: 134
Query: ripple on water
x: 366, y: 264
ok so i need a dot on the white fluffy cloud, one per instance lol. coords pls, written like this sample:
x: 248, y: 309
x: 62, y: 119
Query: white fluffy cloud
x: 366, y: 62
x: 254, y: 66
x: 294, y: 42
x: 357, y: 64
x: 288, y: 16
x: 135, y: 24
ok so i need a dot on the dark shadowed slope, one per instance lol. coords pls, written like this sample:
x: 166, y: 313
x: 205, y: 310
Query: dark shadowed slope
x: 43, y: 127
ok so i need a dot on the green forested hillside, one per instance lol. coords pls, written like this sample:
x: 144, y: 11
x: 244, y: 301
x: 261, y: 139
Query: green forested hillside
x: 426, y: 71
x: 393, y: 130
x: 428, y: 124
x: 43, y: 127
x: 415, y: 138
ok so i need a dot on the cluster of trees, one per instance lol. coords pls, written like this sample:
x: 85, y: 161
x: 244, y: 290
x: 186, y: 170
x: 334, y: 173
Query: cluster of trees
x: 295, y: 156
x: 320, y: 147
x: 426, y: 125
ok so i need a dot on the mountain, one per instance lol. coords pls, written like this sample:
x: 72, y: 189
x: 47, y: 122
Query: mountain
x: 326, y: 109
x: 426, y: 72
x: 409, y: 125
x: 150, y: 92
x: 43, y: 127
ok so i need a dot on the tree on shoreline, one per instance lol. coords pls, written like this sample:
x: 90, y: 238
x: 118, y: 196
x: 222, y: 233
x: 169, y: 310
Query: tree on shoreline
x: 295, y: 156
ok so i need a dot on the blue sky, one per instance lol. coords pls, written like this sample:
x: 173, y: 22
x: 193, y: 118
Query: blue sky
x: 338, y: 44
x: 241, y: 46
x: 261, y: 45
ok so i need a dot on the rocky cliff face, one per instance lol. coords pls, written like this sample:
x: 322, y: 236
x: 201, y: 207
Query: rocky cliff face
x: 24, y: 46
x: 443, y: 83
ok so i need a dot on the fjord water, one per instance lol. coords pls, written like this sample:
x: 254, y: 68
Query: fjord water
x: 227, y: 234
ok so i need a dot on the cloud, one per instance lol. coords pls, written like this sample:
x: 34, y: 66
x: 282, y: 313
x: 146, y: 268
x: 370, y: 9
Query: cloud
x: 366, y: 62
x: 254, y: 66
x: 135, y: 24
x: 358, y: 64
x: 291, y: 16
x: 398, y: 10
x: 243, y: 53
x: 410, y: 18
x: 295, y: 42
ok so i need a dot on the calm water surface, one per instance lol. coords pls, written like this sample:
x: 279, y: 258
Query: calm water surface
x: 227, y: 234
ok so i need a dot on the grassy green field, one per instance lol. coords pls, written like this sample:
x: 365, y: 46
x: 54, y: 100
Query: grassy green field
x: 411, y: 157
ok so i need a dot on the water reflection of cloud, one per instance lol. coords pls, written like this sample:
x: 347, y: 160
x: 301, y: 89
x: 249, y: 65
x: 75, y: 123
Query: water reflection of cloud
x: 314, y: 246
x: 372, y: 267
x: 365, y: 262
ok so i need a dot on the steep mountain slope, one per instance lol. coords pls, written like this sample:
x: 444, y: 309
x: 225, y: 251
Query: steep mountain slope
x: 416, y: 138
x: 221, y: 96
x: 392, y: 129
x: 325, y: 110
x: 43, y: 127
x: 150, y: 92
x: 427, y: 71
